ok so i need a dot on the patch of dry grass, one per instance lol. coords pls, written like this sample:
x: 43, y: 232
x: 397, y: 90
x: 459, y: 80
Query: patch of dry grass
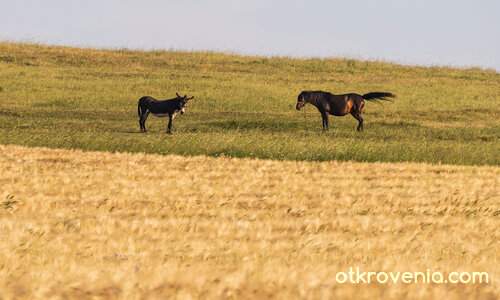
x: 94, y: 224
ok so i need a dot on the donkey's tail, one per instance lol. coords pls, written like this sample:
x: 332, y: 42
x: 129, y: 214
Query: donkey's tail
x: 375, y: 96
x: 139, y: 105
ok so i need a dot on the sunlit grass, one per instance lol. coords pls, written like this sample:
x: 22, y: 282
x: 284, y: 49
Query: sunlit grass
x: 245, y: 106
x: 90, y: 224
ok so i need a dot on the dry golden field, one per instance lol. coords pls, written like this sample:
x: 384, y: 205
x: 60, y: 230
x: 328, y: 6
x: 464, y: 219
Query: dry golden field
x: 79, y: 224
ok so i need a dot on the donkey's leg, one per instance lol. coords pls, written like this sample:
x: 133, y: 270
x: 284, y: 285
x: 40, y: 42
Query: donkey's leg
x: 169, y: 129
x: 143, y: 119
x: 141, y: 123
x: 356, y: 114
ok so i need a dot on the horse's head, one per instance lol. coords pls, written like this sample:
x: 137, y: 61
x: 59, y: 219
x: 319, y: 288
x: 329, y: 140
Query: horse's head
x: 182, y: 104
x: 301, y: 101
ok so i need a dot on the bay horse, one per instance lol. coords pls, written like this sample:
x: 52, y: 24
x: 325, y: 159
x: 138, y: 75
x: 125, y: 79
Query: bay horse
x: 339, y: 105
x: 161, y: 108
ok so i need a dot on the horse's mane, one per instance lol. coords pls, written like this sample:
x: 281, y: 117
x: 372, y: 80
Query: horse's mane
x: 313, y: 96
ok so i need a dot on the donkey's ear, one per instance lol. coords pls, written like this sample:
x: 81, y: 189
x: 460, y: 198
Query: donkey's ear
x: 178, y: 95
x: 190, y: 98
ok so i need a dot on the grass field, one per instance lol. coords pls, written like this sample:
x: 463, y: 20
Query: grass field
x: 249, y: 198
x: 95, y: 225
x: 63, y: 97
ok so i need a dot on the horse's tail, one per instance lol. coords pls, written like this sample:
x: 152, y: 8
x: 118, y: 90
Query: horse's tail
x: 375, y: 96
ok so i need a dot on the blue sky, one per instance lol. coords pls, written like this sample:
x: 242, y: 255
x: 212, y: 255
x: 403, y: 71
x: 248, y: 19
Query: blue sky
x: 426, y: 32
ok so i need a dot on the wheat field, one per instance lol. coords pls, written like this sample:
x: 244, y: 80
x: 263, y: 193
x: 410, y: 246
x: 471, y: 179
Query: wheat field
x: 96, y: 225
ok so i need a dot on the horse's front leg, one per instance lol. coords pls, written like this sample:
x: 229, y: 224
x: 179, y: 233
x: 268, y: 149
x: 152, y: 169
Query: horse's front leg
x: 169, y: 129
x: 325, y: 121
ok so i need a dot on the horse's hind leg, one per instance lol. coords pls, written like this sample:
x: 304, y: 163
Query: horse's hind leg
x: 357, y: 114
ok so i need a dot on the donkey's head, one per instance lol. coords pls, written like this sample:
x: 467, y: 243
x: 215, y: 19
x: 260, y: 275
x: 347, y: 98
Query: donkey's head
x: 182, y: 103
x: 301, y: 101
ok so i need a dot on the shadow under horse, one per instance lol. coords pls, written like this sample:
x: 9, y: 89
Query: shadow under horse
x: 339, y: 105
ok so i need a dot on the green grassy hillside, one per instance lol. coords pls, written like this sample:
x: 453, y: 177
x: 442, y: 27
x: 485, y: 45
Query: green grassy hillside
x: 245, y: 106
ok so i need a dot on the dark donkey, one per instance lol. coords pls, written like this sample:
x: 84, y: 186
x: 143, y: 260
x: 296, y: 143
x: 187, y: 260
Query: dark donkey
x: 339, y: 105
x: 161, y: 108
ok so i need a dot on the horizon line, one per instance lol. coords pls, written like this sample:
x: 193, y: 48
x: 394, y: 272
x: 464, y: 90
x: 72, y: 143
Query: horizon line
x: 233, y: 52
